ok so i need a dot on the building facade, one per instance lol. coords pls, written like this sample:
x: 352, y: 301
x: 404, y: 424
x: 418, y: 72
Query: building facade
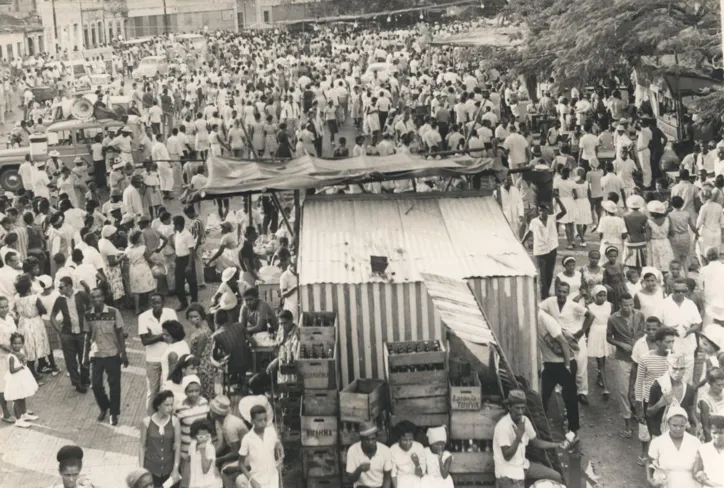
x: 156, y: 17
x: 71, y: 25
x: 255, y: 12
x: 21, y: 30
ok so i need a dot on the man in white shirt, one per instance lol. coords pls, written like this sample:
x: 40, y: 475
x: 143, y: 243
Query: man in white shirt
x: 132, y: 198
x: 711, y: 277
x: 155, y: 115
x: 184, y: 243
x: 643, y: 153
x: 369, y: 463
x: 517, y: 147
x: 587, y: 148
x: 8, y: 274
x: 511, y: 203
x: 576, y: 320
x: 681, y: 313
x: 160, y: 155
x: 85, y: 275
x: 26, y: 173
x: 511, y: 436
x: 625, y: 169
x: 151, y: 334
x: 545, y: 243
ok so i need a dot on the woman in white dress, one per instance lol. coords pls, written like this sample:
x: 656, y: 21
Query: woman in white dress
x: 582, y: 215
x: 572, y: 276
x: 567, y: 193
x: 598, y: 346
x: 650, y: 298
x: 672, y: 455
x: 202, y: 136
x: 437, y: 460
x: 408, y: 458
x: 709, y: 223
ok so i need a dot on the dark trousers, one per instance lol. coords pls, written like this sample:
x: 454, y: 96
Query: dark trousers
x: 557, y: 374
x: 546, y: 266
x: 185, y: 272
x: 100, y: 173
x: 383, y: 119
x: 271, y: 221
x: 156, y: 128
x: 111, y: 366
x: 318, y: 146
x: 73, y: 346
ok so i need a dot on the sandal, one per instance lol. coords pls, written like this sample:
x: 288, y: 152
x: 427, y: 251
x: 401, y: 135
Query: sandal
x: 641, y: 461
x: 606, y: 394
x: 625, y: 434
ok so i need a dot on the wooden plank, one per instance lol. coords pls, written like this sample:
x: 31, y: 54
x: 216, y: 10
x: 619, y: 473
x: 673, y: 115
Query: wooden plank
x: 418, y: 391
x: 476, y: 425
x: 411, y: 406
x: 422, y: 420
x: 362, y: 400
x: 418, y: 377
x: 321, y: 402
x: 472, y: 462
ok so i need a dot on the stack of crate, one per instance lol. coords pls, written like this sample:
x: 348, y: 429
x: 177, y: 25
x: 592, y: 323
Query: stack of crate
x: 416, y: 372
x: 472, y: 423
x: 318, y: 371
x: 364, y: 400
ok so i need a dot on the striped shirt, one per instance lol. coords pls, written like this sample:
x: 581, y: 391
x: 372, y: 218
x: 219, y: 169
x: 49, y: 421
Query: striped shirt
x: 187, y: 415
x: 651, y: 367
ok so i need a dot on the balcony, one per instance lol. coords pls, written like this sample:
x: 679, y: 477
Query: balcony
x: 119, y: 7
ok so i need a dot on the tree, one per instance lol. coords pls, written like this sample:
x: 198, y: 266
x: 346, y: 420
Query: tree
x: 582, y: 41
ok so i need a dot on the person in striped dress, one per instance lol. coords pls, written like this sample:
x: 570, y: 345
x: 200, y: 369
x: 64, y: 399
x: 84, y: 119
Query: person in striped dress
x: 193, y: 407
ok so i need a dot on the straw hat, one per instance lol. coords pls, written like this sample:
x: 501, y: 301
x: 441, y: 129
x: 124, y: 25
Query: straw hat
x: 54, y: 154
x: 609, y: 206
x: 220, y: 405
x: 635, y: 202
x: 656, y: 207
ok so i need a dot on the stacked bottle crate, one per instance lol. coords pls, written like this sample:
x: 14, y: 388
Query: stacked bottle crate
x: 416, y: 373
x: 318, y: 371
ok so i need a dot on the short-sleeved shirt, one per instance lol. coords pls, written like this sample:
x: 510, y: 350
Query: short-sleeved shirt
x: 148, y: 324
x: 258, y: 452
x: 570, y: 316
x: 548, y: 330
x: 379, y: 464
x: 545, y: 237
x: 184, y: 242
x: 103, y: 326
x: 233, y: 429
x: 504, y: 436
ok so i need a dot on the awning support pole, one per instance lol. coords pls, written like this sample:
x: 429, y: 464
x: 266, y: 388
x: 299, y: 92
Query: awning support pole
x: 278, y: 205
x: 297, y: 217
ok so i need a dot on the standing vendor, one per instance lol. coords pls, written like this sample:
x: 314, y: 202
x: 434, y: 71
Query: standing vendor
x: 122, y: 144
x: 511, y: 436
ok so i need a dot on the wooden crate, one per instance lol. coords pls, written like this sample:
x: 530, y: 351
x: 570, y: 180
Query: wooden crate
x: 473, y: 480
x: 318, y: 430
x: 422, y: 405
x: 421, y: 358
x: 422, y: 420
x: 466, y: 398
x: 472, y: 462
x: 476, y: 425
x: 328, y: 482
x: 320, y: 462
x: 436, y: 359
x: 319, y: 374
x: 321, y: 402
x: 362, y: 400
x: 309, y: 332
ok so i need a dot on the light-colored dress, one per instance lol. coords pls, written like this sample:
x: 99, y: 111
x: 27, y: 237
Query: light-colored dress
x: 139, y: 272
x: 197, y: 478
x: 598, y: 347
x: 404, y: 468
x: 660, y: 251
x: 113, y: 273
x: 709, y: 224
x: 678, y: 464
x: 433, y: 478
x: 18, y: 385
x: 565, y: 193
x: 611, y: 229
x: 6, y: 330
x: 651, y: 305
x: 31, y: 325
x: 582, y: 205
x: 712, y: 461
x: 590, y: 278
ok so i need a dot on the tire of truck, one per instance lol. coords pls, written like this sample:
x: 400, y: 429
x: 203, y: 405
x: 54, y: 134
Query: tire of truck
x: 10, y: 180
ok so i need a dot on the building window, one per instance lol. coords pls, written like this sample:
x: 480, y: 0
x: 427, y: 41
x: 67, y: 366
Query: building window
x: 10, y: 52
x: 93, y: 35
x: 85, y: 37
x: 267, y: 17
x: 20, y: 49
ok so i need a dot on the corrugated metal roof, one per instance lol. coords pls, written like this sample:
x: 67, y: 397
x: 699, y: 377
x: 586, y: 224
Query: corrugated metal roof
x: 449, y: 235
x: 459, y: 309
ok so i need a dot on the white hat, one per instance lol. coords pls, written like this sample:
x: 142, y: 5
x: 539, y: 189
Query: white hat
x: 609, y: 206
x: 54, y: 154
x: 437, y: 434
x: 635, y: 202
x: 228, y: 274
x: 656, y: 207
x: 46, y: 281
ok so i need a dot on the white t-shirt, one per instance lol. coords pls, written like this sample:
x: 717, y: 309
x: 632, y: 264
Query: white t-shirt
x: 504, y: 436
x: 379, y: 463
x: 147, y: 324
x: 85, y: 272
x: 545, y: 237
x: 588, y: 144
x: 516, y: 146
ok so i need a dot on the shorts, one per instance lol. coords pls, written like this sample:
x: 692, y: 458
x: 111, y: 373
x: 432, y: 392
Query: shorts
x: 644, y: 435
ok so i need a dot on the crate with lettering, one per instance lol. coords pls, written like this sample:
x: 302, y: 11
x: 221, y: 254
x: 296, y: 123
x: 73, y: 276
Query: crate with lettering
x: 362, y: 400
x: 415, y: 362
x: 320, y: 462
x: 317, y: 364
x: 349, y: 431
x: 478, y: 424
x: 466, y: 393
x: 471, y: 456
x: 316, y: 326
x: 318, y: 430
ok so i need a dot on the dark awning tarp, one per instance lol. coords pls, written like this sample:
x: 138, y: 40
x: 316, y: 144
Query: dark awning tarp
x: 234, y: 176
x: 488, y: 35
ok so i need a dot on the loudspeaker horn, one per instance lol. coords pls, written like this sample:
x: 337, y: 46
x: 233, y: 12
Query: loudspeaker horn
x: 82, y: 109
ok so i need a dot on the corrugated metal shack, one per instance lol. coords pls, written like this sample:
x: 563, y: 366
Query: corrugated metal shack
x: 460, y: 235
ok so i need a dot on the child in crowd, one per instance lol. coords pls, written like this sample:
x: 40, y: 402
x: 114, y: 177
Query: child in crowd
x: 19, y: 381
x: 437, y: 460
x: 202, y: 457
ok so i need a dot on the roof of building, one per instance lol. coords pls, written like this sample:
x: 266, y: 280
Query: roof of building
x: 459, y: 310
x: 454, y: 234
x: 11, y: 23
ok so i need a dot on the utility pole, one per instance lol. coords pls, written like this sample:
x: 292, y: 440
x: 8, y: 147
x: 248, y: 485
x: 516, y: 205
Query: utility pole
x: 55, y: 29
x: 165, y: 19
x: 82, y: 26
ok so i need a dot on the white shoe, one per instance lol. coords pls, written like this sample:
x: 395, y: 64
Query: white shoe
x: 21, y: 423
x: 29, y: 417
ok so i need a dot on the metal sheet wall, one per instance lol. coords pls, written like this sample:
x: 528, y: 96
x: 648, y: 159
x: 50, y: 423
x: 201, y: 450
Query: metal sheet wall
x: 510, y: 305
x: 370, y: 314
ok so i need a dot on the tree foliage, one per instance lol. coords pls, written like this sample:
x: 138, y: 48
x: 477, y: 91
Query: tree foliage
x: 580, y: 41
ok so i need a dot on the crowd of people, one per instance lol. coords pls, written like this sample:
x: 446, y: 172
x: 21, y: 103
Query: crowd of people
x: 648, y: 304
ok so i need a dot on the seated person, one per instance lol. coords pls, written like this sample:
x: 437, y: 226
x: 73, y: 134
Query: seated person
x: 259, y: 319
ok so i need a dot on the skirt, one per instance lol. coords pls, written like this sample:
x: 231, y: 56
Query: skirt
x: 36, y: 339
x: 598, y: 347
x: 115, y: 282
x: 635, y: 255
x: 569, y: 203
x: 681, y: 244
x: 151, y: 197
x: 582, y: 212
x: 141, y: 279
x: 660, y: 253
x: 19, y: 385
x: 202, y: 141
